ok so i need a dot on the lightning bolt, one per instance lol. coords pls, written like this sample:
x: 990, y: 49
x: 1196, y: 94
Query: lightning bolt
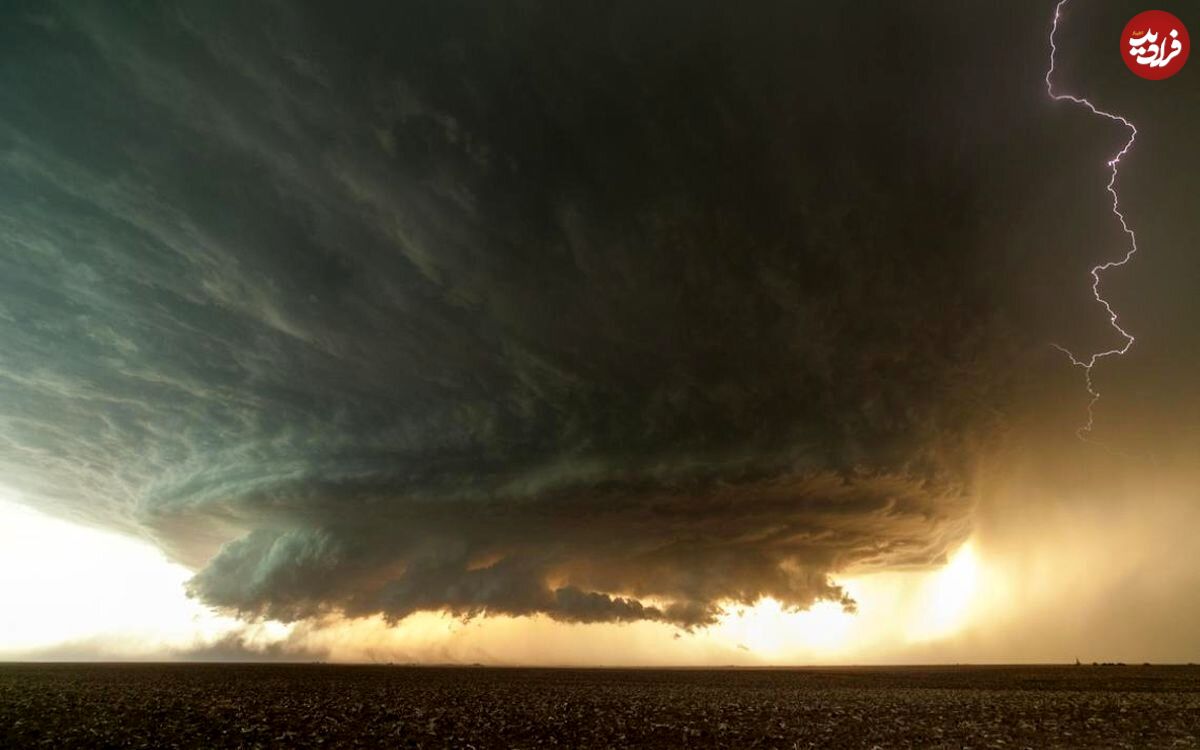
x: 1114, y: 164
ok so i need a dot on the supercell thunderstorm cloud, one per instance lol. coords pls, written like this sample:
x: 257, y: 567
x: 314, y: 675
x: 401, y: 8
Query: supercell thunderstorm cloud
x: 602, y: 313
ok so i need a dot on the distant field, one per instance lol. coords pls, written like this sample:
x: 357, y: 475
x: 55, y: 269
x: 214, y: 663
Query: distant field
x: 209, y: 705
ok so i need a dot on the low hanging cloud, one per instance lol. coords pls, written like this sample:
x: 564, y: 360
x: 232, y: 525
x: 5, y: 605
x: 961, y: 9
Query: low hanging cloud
x: 691, y: 544
x: 489, y: 314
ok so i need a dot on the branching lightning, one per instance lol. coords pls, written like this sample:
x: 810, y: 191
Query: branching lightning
x: 1090, y: 361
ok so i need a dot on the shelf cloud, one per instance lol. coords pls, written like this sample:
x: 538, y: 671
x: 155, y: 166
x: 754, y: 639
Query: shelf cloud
x: 486, y: 312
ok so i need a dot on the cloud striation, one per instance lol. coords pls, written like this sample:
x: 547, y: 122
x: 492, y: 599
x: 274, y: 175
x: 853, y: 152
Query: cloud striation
x: 607, y: 313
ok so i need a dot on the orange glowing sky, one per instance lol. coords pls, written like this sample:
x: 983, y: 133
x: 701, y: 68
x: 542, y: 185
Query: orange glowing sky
x: 75, y: 592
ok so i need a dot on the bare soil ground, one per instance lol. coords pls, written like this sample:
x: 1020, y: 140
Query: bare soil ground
x: 219, y: 705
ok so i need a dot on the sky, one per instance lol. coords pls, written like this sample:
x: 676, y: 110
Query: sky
x: 640, y: 333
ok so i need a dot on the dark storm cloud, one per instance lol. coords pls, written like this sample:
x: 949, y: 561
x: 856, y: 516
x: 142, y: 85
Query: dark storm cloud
x: 609, y: 314
x: 691, y: 541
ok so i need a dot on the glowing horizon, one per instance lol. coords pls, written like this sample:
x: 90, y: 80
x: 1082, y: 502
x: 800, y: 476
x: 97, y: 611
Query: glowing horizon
x: 140, y: 609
